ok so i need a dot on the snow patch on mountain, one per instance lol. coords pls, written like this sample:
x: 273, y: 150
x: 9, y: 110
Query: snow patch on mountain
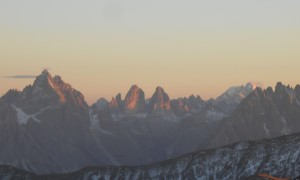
x: 23, y: 118
x: 94, y: 119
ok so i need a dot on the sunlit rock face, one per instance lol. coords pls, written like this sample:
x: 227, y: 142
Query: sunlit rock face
x: 135, y: 100
x: 46, y: 85
x: 46, y: 91
x: 160, y: 101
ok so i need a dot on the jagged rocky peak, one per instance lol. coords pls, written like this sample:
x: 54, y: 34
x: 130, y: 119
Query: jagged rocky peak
x: 297, y: 90
x: 160, y: 101
x: 195, y: 98
x: 258, y: 92
x: 231, y: 98
x: 11, y: 95
x: 43, y: 82
x: 135, y: 100
x: 196, y: 101
x: 279, y: 88
x: 282, y: 89
x: 180, y: 106
x: 48, y: 90
x: 186, y: 105
x: 116, y: 104
x: 287, y: 94
x: 256, y: 95
x: 297, y: 87
x: 269, y: 91
x: 281, y: 93
x: 235, y: 94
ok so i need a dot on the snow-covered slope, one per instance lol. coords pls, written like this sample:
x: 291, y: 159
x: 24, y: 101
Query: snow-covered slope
x: 246, y: 160
x: 229, y: 100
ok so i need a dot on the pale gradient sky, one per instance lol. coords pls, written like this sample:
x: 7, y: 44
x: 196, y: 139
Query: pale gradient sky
x: 102, y: 47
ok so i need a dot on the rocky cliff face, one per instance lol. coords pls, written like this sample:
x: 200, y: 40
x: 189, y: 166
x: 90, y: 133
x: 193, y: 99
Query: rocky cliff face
x: 135, y: 100
x: 183, y: 106
x: 278, y: 157
x: 160, y: 101
x: 46, y: 91
x: 116, y: 104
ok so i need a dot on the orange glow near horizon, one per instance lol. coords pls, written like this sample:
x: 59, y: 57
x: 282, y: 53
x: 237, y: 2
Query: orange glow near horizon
x: 203, y: 50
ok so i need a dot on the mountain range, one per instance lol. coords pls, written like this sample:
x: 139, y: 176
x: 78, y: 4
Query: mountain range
x: 49, y: 128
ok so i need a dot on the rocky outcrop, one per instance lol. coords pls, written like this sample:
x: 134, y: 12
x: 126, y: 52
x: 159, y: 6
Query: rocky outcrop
x: 183, y: 106
x: 116, y: 104
x: 46, y: 91
x: 180, y: 106
x: 160, y: 101
x: 135, y: 100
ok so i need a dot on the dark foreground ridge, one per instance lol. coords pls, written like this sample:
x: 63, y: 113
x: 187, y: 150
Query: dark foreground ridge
x: 278, y: 157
